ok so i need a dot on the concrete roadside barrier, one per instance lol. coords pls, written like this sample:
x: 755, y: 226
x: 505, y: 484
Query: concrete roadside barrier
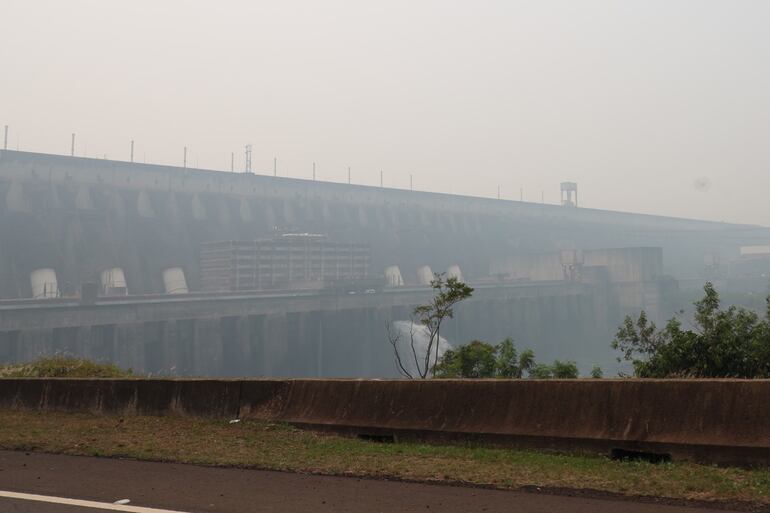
x: 722, y: 421
x: 201, y: 397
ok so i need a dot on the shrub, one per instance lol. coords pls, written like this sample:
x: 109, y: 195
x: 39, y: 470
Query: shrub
x: 482, y: 360
x: 63, y: 367
x: 723, y: 343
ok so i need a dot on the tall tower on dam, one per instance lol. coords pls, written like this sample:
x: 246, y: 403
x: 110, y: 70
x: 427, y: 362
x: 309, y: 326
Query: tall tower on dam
x: 138, y: 230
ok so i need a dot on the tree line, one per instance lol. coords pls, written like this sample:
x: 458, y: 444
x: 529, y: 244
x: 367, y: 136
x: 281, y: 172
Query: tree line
x: 482, y: 360
x: 722, y: 343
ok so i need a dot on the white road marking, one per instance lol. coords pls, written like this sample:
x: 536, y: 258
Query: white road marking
x: 83, y: 504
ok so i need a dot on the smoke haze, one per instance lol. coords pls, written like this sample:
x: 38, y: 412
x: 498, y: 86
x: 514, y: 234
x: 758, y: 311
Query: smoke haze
x: 641, y: 103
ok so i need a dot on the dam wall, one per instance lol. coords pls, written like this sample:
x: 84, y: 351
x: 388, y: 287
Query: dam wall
x: 295, y: 334
x: 82, y: 216
x: 715, y: 421
x: 67, y: 223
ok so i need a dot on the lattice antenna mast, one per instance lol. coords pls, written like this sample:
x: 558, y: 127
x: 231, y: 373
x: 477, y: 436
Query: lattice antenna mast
x: 248, y: 158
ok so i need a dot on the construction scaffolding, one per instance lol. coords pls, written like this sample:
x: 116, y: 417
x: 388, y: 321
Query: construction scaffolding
x: 289, y: 261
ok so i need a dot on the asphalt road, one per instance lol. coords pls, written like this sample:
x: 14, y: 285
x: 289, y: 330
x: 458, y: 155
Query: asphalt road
x: 190, y: 488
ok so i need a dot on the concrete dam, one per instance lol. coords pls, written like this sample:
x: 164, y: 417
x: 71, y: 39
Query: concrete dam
x: 555, y: 278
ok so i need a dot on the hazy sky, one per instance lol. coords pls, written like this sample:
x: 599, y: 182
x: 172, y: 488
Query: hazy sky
x: 634, y: 100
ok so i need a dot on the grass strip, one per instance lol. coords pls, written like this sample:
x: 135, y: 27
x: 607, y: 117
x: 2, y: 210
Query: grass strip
x: 257, y: 444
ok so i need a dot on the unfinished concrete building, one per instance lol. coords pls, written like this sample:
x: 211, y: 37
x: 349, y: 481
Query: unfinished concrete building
x: 288, y: 261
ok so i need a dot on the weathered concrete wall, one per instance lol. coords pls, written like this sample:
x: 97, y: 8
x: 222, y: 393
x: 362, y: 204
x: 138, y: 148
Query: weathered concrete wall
x: 528, y: 266
x: 627, y: 265
x: 624, y: 265
x: 713, y: 420
x: 304, y: 336
x: 632, y: 277
x: 212, y: 398
x: 81, y: 216
x: 721, y: 421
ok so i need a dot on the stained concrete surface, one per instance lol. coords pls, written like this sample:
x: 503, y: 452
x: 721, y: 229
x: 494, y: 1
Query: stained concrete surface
x: 227, y: 490
x: 712, y: 421
x: 81, y: 217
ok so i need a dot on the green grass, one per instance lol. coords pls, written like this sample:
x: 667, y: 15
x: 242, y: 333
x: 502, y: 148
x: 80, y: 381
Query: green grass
x: 62, y: 367
x: 281, y: 447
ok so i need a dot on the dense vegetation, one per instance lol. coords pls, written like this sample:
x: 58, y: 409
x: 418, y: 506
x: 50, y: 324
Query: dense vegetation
x: 482, y: 360
x: 62, y: 367
x: 732, y: 342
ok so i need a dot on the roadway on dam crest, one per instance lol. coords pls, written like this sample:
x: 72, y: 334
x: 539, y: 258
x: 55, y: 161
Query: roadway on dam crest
x: 36, y: 483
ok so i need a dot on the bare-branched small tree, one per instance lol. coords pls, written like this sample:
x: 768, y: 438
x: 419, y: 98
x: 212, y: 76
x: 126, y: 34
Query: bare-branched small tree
x: 446, y: 294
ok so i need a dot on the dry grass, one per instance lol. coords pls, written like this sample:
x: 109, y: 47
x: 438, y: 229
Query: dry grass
x: 61, y: 366
x: 281, y: 447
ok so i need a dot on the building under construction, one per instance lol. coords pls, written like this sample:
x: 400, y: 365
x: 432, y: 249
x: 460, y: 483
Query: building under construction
x: 288, y: 261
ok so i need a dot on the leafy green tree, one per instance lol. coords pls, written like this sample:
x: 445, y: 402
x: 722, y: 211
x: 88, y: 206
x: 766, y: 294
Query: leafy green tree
x: 597, y: 372
x: 557, y: 370
x: 526, y: 361
x: 509, y: 363
x: 482, y: 360
x: 734, y: 342
x: 564, y: 370
x: 446, y: 294
x: 474, y: 360
x: 541, y: 371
